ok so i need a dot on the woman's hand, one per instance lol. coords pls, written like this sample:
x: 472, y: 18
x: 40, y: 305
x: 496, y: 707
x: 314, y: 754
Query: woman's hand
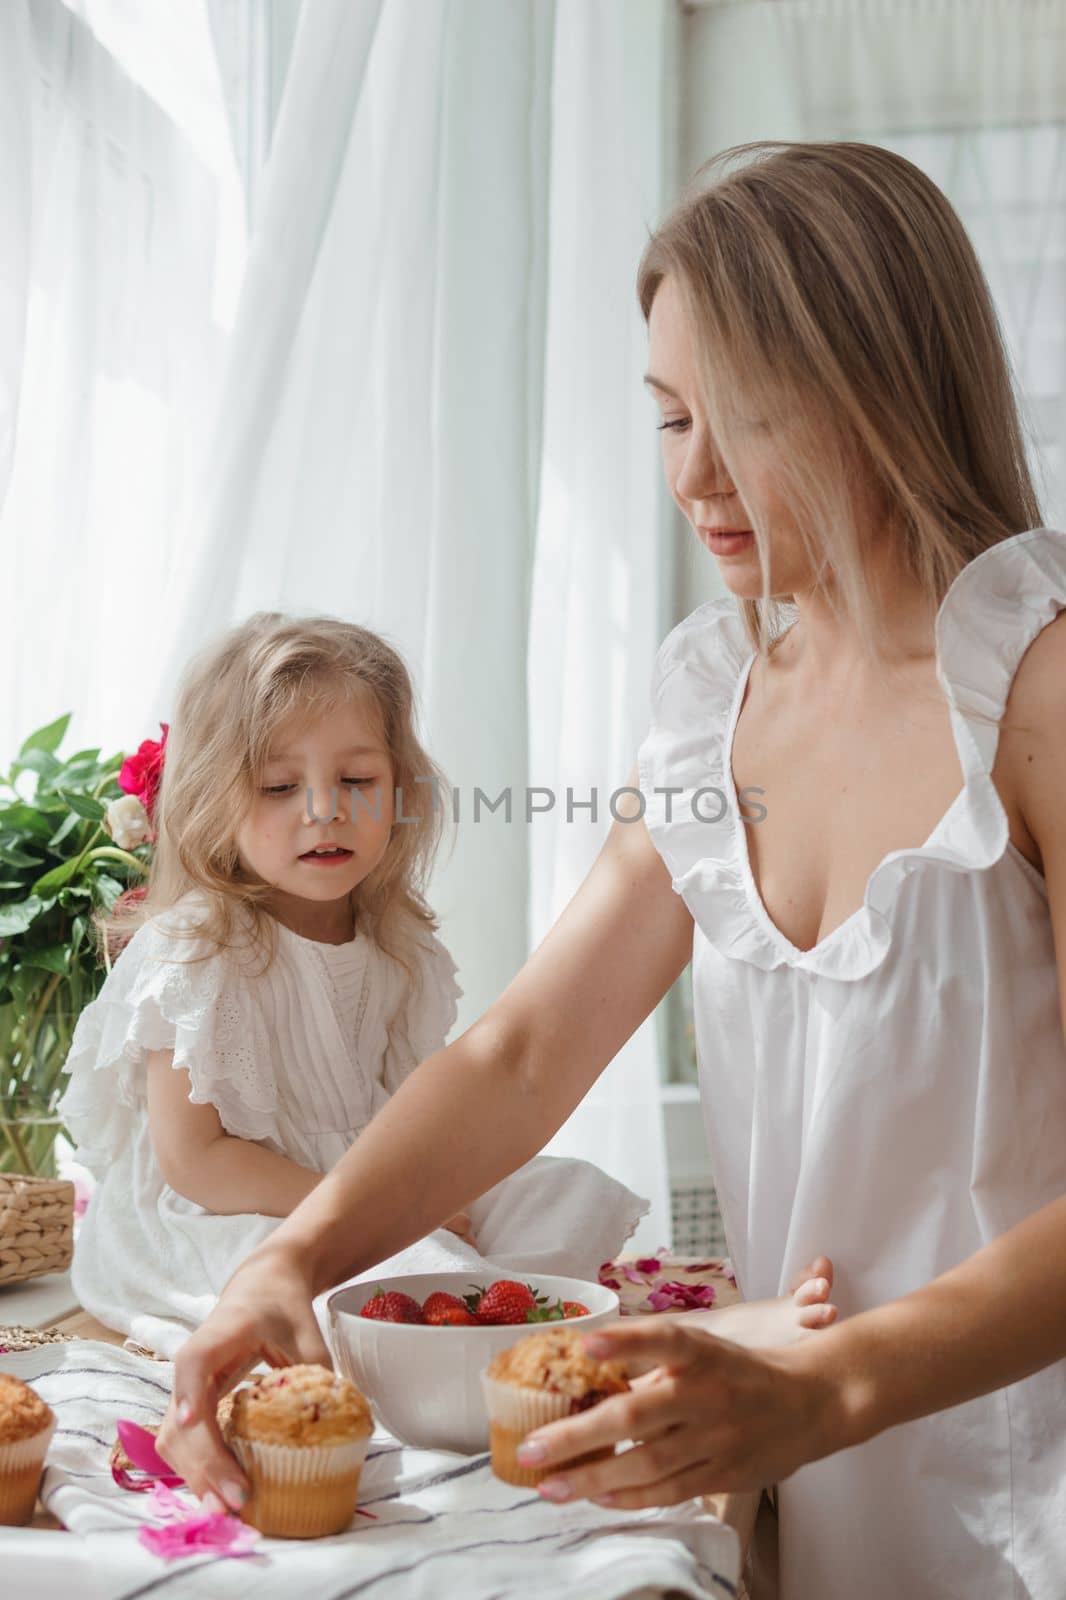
x: 264, y: 1315
x: 707, y: 1417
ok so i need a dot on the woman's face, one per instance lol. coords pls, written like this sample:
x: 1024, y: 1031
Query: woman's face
x: 325, y: 782
x: 697, y: 475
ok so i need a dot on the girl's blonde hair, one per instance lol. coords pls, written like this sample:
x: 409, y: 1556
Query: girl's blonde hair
x: 833, y: 284
x: 233, y: 697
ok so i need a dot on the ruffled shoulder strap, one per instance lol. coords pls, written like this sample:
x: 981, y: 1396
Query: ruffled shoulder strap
x: 989, y: 617
x: 168, y: 990
x: 420, y: 1012
x: 685, y: 788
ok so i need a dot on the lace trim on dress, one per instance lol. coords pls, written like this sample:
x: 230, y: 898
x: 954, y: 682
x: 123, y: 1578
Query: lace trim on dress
x: 159, y: 997
x: 987, y: 620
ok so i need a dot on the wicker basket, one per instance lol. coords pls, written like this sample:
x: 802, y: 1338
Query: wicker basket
x: 36, y: 1226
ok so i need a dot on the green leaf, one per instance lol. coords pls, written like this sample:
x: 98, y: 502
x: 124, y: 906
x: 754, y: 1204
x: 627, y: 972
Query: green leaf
x: 16, y: 919
x: 56, y: 958
x: 108, y: 889
x: 42, y: 762
x: 23, y: 818
x: 69, y: 823
x: 73, y: 894
x: 57, y: 877
x: 12, y: 856
x: 48, y: 738
x: 84, y: 805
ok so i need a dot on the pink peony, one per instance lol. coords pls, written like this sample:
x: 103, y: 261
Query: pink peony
x: 142, y: 773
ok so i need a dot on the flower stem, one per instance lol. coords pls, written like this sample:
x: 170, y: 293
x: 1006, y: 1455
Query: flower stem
x: 113, y: 853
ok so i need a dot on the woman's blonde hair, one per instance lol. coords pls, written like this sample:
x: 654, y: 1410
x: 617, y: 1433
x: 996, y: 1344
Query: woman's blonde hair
x: 834, y: 283
x: 234, y: 696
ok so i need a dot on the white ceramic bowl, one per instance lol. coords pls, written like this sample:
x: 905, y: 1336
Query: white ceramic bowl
x: 424, y: 1383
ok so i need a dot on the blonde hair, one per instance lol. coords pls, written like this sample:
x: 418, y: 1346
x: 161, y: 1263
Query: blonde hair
x: 233, y: 697
x: 835, y: 283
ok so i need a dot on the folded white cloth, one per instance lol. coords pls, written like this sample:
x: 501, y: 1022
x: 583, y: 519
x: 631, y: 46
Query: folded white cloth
x: 444, y: 1524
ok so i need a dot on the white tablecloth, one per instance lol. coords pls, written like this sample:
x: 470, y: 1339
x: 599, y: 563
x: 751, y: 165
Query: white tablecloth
x: 445, y: 1525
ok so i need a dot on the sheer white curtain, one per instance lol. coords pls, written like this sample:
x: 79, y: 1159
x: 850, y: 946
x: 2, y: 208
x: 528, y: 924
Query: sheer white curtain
x: 112, y: 325
x: 378, y: 447
x: 601, y: 588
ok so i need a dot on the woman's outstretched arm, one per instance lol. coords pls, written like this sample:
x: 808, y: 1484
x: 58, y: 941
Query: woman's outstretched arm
x: 469, y: 1115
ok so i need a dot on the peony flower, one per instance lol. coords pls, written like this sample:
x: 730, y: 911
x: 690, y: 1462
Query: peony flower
x: 190, y: 1530
x: 682, y: 1297
x: 142, y: 773
x: 127, y: 822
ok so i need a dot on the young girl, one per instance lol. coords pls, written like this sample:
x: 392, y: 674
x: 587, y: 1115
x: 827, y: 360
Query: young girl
x: 279, y: 980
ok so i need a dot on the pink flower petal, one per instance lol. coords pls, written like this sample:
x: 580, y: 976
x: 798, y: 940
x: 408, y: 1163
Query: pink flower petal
x: 704, y: 1266
x: 648, y: 1264
x: 190, y: 1529
x: 610, y: 1283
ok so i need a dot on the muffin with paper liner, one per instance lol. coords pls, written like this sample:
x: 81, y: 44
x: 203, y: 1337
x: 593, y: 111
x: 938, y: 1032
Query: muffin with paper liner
x: 545, y: 1376
x: 26, y: 1427
x: 301, y: 1434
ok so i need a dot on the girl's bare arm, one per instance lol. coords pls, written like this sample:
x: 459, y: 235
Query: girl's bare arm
x: 207, y: 1165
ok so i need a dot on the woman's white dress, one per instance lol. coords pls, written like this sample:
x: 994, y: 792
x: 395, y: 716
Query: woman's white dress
x: 894, y: 1097
x: 299, y: 1060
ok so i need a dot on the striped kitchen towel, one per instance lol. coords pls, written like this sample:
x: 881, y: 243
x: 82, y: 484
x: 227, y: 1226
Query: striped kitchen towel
x: 443, y: 1523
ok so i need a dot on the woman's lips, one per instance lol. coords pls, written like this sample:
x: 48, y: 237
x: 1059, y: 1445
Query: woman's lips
x: 726, y: 541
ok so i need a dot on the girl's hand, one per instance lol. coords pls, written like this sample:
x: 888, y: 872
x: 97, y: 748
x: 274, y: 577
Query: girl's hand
x: 707, y: 1417
x: 460, y: 1224
x: 264, y: 1315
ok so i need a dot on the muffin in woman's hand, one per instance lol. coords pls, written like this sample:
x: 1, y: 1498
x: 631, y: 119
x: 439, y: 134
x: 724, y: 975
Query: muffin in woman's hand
x: 301, y: 1435
x: 543, y: 1377
x: 26, y: 1426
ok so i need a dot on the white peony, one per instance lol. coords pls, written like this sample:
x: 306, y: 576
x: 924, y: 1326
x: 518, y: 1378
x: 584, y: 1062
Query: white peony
x: 127, y: 822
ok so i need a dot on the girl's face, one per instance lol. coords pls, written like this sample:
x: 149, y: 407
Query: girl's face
x: 697, y: 475
x: 340, y: 758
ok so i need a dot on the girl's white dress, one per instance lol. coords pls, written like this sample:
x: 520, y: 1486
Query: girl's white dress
x: 894, y: 1097
x: 299, y: 1060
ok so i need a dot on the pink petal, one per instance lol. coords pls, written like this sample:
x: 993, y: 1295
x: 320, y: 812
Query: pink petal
x: 139, y: 1445
x: 704, y: 1266
x: 610, y: 1283
x: 648, y: 1264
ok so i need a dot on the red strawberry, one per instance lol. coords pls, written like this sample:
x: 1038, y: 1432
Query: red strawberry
x: 505, y: 1302
x: 574, y: 1308
x: 392, y: 1307
x: 455, y: 1317
x: 447, y: 1310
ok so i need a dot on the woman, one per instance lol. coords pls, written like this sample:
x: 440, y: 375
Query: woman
x: 878, y: 1000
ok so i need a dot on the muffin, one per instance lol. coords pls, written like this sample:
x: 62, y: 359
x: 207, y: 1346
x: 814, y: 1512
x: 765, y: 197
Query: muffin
x: 545, y: 1376
x: 301, y: 1435
x: 26, y: 1426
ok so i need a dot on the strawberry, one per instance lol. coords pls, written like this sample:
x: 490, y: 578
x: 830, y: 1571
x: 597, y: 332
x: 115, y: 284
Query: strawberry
x: 447, y: 1310
x: 392, y: 1307
x: 504, y: 1302
x: 574, y: 1308
x: 455, y: 1317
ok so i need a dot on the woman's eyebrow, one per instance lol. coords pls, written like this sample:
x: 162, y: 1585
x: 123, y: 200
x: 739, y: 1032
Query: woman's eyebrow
x: 657, y: 383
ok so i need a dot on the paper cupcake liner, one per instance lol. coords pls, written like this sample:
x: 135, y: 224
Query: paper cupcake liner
x: 514, y: 1412
x: 21, y: 1465
x: 301, y: 1491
